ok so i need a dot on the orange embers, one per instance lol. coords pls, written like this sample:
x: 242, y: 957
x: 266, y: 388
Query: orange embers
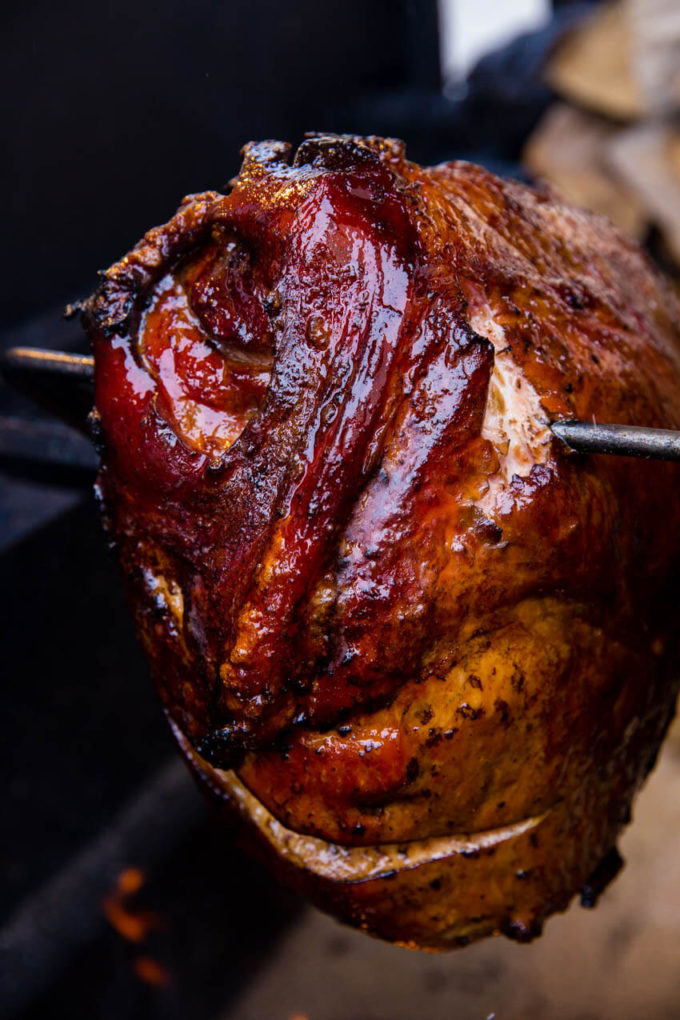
x: 133, y: 924
x: 150, y: 970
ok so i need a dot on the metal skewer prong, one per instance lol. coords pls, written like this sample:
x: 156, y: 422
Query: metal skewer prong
x: 624, y: 440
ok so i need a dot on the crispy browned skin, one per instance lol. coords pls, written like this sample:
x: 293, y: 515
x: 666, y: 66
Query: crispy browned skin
x: 366, y: 576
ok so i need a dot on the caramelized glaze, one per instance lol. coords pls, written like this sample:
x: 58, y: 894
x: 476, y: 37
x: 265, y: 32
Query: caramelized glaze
x: 373, y: 589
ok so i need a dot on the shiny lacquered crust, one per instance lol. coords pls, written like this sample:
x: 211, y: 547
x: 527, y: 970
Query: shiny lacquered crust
x: 383, y: 607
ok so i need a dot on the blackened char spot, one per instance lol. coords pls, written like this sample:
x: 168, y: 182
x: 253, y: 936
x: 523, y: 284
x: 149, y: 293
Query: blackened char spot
x: 604, y: 873
x: 222, y: 748
x: 335, y: 152
x: 265, y: 154
x: 468, y: 712
x: 503, y: 710
x: 434, y: 737
x: 520, y: 931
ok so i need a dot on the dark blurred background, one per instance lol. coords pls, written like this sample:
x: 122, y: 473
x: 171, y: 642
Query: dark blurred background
x: 114, y: 110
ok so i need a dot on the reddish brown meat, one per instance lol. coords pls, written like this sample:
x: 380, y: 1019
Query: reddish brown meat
x: 438, y: 650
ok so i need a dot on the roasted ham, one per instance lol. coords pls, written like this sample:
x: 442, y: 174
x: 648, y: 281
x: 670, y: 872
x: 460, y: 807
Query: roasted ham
x: 424, y: 654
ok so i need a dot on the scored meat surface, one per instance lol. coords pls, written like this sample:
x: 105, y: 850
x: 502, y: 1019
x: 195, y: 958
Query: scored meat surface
x: 424, y: 653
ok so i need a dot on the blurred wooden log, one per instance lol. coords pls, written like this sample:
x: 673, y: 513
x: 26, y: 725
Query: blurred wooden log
x: 593, y: 67
x: 655, y: 27
x: 570, y: 148
x: 647, y: 158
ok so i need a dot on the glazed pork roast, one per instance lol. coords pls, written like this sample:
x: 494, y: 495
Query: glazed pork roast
x: 422, y: 653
